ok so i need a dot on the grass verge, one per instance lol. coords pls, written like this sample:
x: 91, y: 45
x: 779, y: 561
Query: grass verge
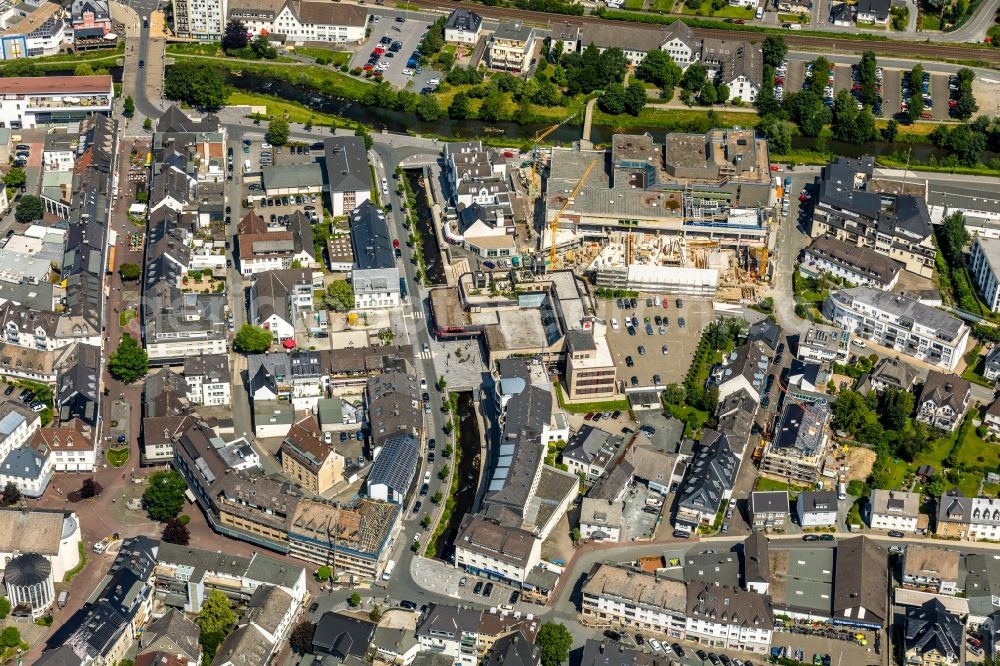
x: 117, y: 457
x: 292, y: 111
x: 449, y: 502
x: 584, y: 407
x: 68, y: 577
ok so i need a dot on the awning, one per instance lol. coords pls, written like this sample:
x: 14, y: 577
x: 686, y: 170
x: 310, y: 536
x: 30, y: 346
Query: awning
x: 289, y: 344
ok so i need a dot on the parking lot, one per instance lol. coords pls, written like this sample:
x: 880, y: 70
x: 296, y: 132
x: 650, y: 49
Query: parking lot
x: 282, y: 206
x: 639, y: 523
x: 842, y: 653
x: 940, y: 96
x: 892, y: 95
x: 409, y: 32
x: 650, y: 360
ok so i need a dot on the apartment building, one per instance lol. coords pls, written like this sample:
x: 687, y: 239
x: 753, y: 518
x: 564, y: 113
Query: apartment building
x: 208, y: 379
x: 901, y: 323
x: 799, y: 447
x: 511, y: 47
x: 279, y: 299
x: 932, y: 635
x: 462, y: 27
x: 769, y: 510
x: 984, y: 264
x: 972, y: 518
x: 894, y: 510
x: 822, y: 345
x: 710, y: 478
x: 746, y: 368
x: 897, y: 226
x: 727, y: 617
x: 590, y: 369
x: 931, y: 569
x: 302, y: 21
x: 200, y: 19
x: 307, y: 460
x: 348, y: 177
x: 374, y: 276
x: 590, y: 450
x: 817, y: 508
x: 484, y: 547
x: 859, y: 265
x: 636, y: 600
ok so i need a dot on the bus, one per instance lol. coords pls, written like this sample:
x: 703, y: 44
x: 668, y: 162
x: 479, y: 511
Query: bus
x: 389, y: 567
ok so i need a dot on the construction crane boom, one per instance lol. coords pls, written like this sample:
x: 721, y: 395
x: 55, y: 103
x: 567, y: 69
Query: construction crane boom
x: 540, y: 136
x: 555, y: 220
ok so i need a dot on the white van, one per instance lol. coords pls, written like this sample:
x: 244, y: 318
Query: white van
x: 389, y: 567
x: 247, y: 167
x: 760, y: 13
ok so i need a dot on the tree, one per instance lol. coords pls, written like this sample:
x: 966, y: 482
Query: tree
x: 778, y: 133
x: 323, y: 573
x: 129, y: 362
x: 436, y: 497
x: 22, y: 67
x: 128, y: 107
x: 425, y: 522
x: 354, y: 600
x: 174, y: 531
x: 15, y: 178
x: 129, y: 272
x: 375, y: 614
x: 890, y: 130
x: 819, y: 78
x: 89, y: 488
x: 916, y: 104
x: 576, y: 535
x: 444, y: 472
x: 635, y: 99
x: 4, y: 607
x: 11, y: 494
x: 147, y: 124
x: 694, y: 77
x: 721, y: 93
x: 10, y: 637
x: 774, y: 50
x: 235, y: 36
x: 492, y: 107
x: 29, y: 209
x: 850, y: 124
x: 199, y: 85
x: 277, y: 132
x: 613, y: 99
x: 339, y: 295
x: 165, y: 495
x: 554, y: 640
x: 707, y: 96
x: 215, y: 620
x: 459, y: 107
x: 952, y: 237
x: 252, y: 339
x: 301, y: 637
x: 868, y: 94
x: 84, y: 69
x: 428, y: 108
x: 659, y: 69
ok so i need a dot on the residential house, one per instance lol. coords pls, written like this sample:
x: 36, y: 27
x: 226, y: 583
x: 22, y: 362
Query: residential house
x: 769, y: 510
x: 710, y: 478
x: 746, y: 368
x: 18, y: 424
x: 972, y: 518
x: 342, y: 636
x: 842, y: 15
x: 931, y: 569
x: 514, y: 649
x: 392, y: 401
x: 943, y: 401
x: 817, y: 508
x: 767, y: 332
x: 394, y: 645
x: 396, y: 464
x: 306, y: 459
x: 450, y: 630
x: 894, y: 510
x: 932, y: 635
x: 272, y: 251
x: 29, y: 468
x: 590, y: 451
x: 511, y: 47
x: 991, y: 419
x: 756, y: 563
x: 462, y: 27
x: 861, y: 584
x: 601, y: 520
x: 172, y: 633
x: 638, y: 600
x: 900, y: 323
x: 889, y: 373
x: 279, y: 297
x: 208, y: 379
x: 303, y: 21
x: 873, y: 11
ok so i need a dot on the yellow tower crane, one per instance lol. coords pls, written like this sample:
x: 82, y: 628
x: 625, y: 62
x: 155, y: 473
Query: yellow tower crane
x: 555, y: 220
x: 540, y: 136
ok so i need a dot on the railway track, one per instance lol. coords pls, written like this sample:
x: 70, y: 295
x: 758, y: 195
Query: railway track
x: 899, y: 49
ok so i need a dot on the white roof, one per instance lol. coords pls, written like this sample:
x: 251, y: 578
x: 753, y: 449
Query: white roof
x: 673, y: 275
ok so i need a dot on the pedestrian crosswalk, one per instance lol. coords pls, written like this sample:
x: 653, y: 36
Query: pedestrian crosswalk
x: 426, y: 355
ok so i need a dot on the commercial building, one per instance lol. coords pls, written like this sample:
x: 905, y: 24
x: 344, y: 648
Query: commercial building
x: 590, y: 368
x: 200, y: 20
x: 984, y: 264
x: 451, y: 631
x: 484, y: 547
x: 91, y: 21
x: 861, y: 584
x: 858, y: 265
x: 900, y: 323
x: 634, y: 599
x: 272, y: 251
x: 931, y: 569
x: 354, y: 540
x: 897, y: 226
x: 40, y: 33
x: 348, y: 177
x: 894, y: 510
x: 590, y: 450
x: 799, y: 447
x: 392, y: 400
x: 30, y: 101
x: 208, y: 379
x: 307, y: 460
x: 374, y: 276
x: 54, y: 535
x: 278, y: 299
x: 391, y: 477
x: 728, y: 618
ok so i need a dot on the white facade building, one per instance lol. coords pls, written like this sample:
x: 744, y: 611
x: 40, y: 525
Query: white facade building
x: 894, y: 510
x: 985, y: 268
x: 200, y: 19
x: 32, y: 100
x: 307, y: 21
x: 899, y: 322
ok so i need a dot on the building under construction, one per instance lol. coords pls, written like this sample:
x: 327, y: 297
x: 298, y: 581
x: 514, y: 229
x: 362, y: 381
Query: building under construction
x: 351, y: 540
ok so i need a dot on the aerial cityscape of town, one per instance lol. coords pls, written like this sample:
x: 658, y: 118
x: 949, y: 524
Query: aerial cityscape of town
x: 501, y: 333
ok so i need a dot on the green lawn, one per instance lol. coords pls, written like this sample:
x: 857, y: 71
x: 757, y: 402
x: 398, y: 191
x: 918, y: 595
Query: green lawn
x: 974, y: 372
x: 339, y: 57
x: 200, y: 48
x: 726, y: 12
x: 793, y: 18
x: 293, y: 111
x: 126, y: 317
x: 117, y: 457
x: 584, y: 407
x: 931, y: 20
x: 634, y: 4
x: 976, y: 452
x: 661, y: 5
x: 693, y: 419
x: 764, y: 484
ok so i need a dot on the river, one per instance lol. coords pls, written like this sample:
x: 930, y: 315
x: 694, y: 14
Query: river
x: 402, y: 122
x: 425, y: 227
x: 468, y: 475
